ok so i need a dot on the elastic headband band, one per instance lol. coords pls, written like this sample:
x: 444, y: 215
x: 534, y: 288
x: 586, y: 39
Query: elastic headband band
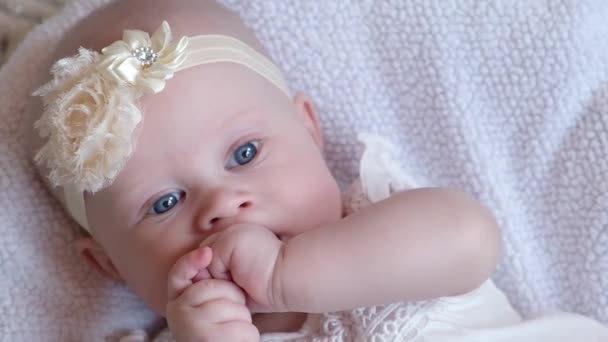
x: 90, y: 109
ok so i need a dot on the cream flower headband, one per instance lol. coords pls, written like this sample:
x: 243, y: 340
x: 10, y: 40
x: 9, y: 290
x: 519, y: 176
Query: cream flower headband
x: 90, y: 110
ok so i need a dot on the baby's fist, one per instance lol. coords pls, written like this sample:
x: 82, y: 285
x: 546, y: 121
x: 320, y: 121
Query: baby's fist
x: 248, y: 255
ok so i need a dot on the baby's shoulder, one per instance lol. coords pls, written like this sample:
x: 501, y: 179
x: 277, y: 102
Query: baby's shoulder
x: 380, y: 174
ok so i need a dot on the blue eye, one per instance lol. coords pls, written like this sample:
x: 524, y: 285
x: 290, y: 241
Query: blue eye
x: 165, y: 203
x: 244, y: 154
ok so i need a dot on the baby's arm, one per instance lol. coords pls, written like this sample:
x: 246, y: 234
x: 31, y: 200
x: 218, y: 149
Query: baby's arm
x: 415, y: 245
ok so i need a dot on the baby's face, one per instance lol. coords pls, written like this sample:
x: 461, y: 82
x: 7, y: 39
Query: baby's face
x: 220, y: 145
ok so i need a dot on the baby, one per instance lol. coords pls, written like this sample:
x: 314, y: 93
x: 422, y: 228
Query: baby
x: 201, y: 183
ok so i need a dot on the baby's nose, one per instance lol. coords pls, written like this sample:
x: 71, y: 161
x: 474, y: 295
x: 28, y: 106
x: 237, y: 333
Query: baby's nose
x: 223, y: 206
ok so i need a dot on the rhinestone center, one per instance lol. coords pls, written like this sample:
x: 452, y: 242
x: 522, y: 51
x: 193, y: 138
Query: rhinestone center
x: 146, y: 56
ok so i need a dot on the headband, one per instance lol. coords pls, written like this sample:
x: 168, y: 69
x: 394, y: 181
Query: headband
x: 90, y: 105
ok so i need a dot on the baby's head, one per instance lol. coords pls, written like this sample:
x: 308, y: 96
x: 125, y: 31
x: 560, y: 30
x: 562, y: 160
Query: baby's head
x: 221, y: 144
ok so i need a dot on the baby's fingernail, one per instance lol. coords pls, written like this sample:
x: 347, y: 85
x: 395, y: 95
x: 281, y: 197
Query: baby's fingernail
x: 201, y: 254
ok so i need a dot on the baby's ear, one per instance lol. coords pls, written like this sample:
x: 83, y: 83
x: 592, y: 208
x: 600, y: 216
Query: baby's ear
x: 308, y: 113
x: 96, y: 257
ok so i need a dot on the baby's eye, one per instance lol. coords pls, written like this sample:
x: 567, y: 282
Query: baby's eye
x: 165, y: 203
x: 244, y: 154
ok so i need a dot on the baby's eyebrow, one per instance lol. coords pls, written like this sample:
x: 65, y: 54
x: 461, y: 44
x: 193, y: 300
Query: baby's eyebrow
x: 247, y: 113
x: 129, y: 200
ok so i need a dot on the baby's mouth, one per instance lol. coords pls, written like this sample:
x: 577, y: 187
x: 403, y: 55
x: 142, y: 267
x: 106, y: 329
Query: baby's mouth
x: 283, y: 237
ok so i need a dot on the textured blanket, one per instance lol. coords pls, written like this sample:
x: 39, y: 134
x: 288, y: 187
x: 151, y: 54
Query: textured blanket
x: 508, y: 100
x: 17, y: 17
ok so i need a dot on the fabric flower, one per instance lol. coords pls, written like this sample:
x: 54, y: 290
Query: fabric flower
x: 89, y: 121
x: 143, y: 61
x: 90, y: 110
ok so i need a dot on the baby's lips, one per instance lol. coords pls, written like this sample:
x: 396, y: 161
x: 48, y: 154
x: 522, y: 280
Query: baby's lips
x: 202, y: 274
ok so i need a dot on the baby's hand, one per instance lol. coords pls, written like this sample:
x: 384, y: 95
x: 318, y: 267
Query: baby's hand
x: 208, y: 309
x: 248, y: 255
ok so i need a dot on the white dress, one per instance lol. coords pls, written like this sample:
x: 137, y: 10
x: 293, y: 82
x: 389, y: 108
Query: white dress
x: 484, y: 314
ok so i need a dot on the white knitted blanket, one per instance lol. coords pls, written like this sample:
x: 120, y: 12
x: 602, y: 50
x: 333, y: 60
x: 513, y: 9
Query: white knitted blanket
x: 17, y: 17
x: 508, y: 100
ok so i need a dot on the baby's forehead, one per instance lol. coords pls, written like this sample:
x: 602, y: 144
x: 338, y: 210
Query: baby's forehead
x: 206, y: 101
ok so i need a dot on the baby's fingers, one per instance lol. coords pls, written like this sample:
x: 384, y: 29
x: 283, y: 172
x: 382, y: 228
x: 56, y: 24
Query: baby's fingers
x: 236, y: 331
x: 208, y: 290
x: 224, y: 310
x: 187, y: 269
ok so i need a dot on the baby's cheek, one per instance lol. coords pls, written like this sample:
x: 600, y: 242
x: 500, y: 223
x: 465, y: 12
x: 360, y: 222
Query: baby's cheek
x: 322, y: 203
x: 146, y: 275
x: 152, y: 288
